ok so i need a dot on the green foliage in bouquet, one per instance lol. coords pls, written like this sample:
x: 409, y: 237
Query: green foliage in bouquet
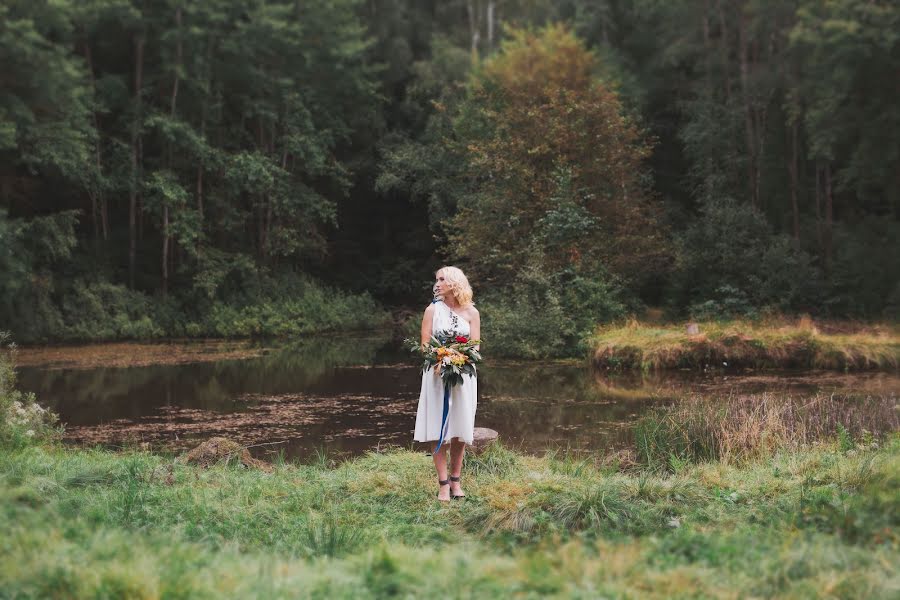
x: 453, y: 355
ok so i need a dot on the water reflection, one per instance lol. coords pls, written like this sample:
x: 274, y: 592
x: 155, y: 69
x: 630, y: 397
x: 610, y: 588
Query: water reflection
x: 350, y: 394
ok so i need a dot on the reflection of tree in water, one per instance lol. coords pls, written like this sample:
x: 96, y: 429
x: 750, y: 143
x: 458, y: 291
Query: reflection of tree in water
x: 550, y: 405
x: 351, y: 393
x: 540, y: 406
x: 96, y: 395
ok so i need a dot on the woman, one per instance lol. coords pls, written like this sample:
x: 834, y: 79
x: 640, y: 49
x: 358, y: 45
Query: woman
x: 453, y: 312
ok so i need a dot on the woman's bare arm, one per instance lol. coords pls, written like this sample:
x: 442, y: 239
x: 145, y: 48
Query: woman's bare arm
x: 427, y: 319
x: 475, y: 328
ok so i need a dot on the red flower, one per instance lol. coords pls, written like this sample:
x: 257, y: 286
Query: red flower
x: 462, y: 339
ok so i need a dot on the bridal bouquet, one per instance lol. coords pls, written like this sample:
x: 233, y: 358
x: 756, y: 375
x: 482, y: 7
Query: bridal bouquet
x: 452, y: 355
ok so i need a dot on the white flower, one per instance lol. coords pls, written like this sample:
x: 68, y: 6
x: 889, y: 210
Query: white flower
x: 674, y: 522
x: 30, y: 433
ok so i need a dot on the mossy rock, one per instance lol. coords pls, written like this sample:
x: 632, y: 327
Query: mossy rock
x: 220, y: 449
x: 482, y: 438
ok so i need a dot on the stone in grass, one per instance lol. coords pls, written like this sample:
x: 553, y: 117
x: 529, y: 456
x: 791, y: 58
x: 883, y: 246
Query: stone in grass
x: 483, y: 437
x: 219, y: 449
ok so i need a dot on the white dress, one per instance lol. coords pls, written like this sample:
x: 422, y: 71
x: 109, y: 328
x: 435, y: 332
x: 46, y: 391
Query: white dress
x: 463, y: 398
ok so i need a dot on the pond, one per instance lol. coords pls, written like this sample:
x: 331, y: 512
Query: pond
x: 346, y: 395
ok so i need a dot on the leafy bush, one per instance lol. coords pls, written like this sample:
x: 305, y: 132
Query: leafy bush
x: 105, y: 311
x: 291, y: 305
x: 731, y: 264
x: 283, y: 305
x: 22, y: 420
x: 544, y: 316
x: 865, y: 275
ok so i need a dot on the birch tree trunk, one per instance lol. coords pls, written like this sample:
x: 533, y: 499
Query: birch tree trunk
x: 173, y: 104
x: 474, y: 24
x: 490, y: 24
x: 829, y: 216
x: 794, y: 178
x: 750, y: 137
x: 98, y: 198
x: 139, y: 41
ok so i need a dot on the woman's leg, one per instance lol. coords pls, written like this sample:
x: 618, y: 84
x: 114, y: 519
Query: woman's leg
x: 457, y: 452
x: 440, y: 465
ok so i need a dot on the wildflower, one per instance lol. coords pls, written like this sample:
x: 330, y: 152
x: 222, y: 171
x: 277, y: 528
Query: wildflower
x: 30, y: 433
x: 674, y: 522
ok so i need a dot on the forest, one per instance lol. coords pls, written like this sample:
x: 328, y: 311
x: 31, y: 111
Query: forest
x: 219, y: 219
x: 271, y: 167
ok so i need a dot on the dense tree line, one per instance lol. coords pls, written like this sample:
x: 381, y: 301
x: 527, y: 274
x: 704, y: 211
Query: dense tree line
x: 168, y: 167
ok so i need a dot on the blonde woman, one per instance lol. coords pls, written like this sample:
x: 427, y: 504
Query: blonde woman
x: 452, y: 311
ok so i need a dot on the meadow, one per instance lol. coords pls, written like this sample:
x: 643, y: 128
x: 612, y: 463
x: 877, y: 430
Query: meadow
x: 790, y: 516
x: 779, y: 342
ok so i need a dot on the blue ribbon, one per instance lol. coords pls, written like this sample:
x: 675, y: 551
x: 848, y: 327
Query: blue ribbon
x: 444, y: 417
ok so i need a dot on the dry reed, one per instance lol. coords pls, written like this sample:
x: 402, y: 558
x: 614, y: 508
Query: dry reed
x: 740, y: 427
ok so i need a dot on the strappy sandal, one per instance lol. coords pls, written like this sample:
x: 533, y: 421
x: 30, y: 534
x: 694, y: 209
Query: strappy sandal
x: 442, y: 483
x: 452, y: 495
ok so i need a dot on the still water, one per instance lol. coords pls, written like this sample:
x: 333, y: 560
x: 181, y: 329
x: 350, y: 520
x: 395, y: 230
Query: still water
x: 346, y: 395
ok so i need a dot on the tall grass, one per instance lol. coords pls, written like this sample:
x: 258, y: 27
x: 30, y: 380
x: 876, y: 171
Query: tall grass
x: 811, y: 520
x: 742, y: 427
x: 773, y: 343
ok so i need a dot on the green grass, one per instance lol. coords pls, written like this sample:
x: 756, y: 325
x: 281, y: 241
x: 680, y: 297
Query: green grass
x: 766, y: 344
x: 816, y: 522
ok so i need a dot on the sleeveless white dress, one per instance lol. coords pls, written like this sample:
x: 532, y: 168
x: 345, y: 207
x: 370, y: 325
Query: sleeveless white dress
x: 463, y: 398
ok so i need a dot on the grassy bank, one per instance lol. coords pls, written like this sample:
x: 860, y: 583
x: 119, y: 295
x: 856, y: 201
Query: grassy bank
x: 78, y: 523
x: 803, y: 501
x: 771, y: 344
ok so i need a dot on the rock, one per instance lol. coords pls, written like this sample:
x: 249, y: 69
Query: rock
x: 218, y: 449
x: 483, y: 438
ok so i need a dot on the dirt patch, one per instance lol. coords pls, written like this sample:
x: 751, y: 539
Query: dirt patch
x: 125, y: 354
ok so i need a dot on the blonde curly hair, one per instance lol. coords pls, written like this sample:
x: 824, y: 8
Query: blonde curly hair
x: 458, y: 283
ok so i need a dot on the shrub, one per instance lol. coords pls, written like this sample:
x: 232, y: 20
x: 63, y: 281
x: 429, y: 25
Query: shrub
x: 543, y: 316
x: 730, y: 263
x: 865, y: 275
x: 22, y: 420
x: 105, y: 311
x: 285, y: 305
